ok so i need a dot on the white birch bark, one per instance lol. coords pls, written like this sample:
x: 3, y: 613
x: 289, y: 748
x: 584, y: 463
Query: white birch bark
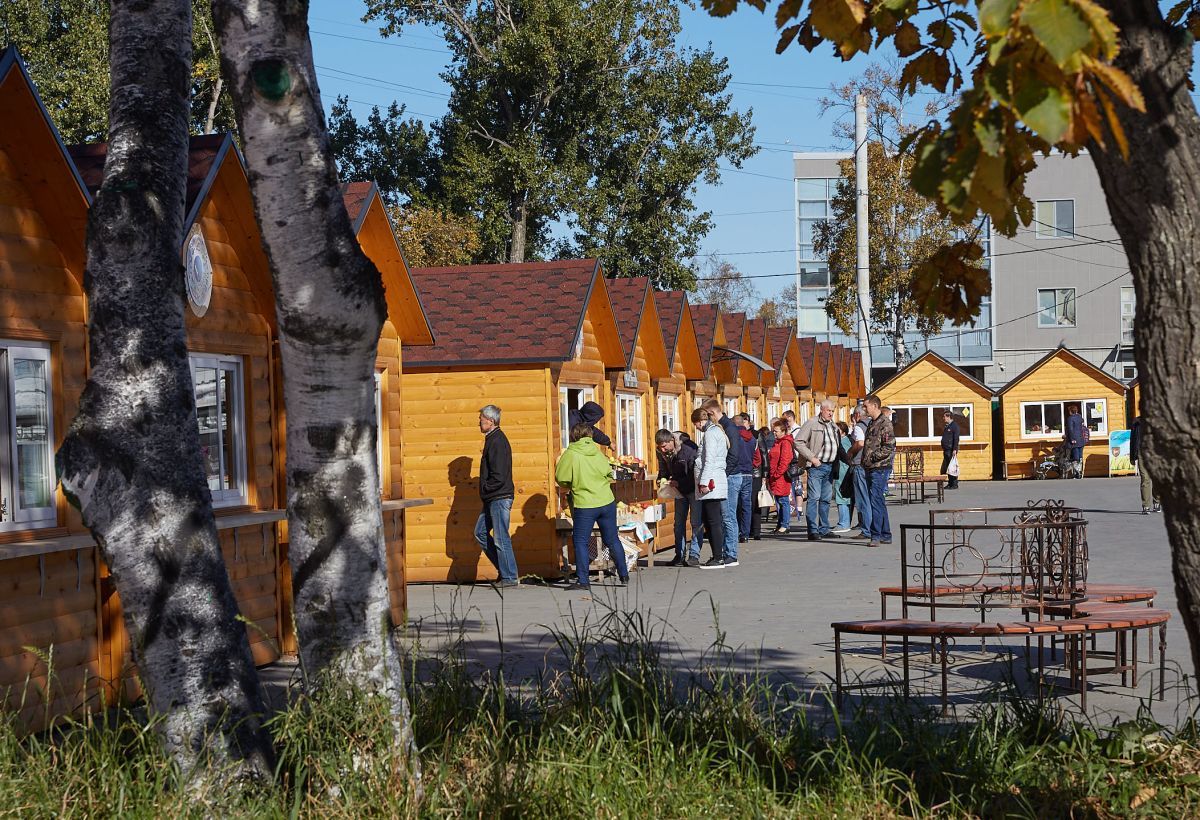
x: 131, y: 459
x: 330, y: 308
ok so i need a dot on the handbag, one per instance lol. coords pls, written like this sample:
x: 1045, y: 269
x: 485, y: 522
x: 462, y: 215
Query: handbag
x: 952, y: 468
x: 765, y: 499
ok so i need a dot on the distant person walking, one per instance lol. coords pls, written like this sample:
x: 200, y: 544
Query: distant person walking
x: 862, y: 497
x: 879, y: 451
x: 1075, y: 437
x: 779, y: 483
x: 677, y: 465
x: 734, y: 478
x: 817, y: 443
x: 1137, y: 435
x: 712, y: 485
x: 950, y: 440
x: 585, y: 471
x: 496, y: 491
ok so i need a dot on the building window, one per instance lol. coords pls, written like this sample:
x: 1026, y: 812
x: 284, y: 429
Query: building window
x: 697, y: 401
x: 1128, y: 310
x: 772, y: 411
x: 629, y: 425
x: 1055, y: 218
x: 752, y: 412
x: 668, y: 413
x: 27, y: 463
x: 1056, y: 307
x: 925, y: 422
x: 805, y: 412
x: 1047, y: 419
x: 731, y: 407
x: 571, y: 398
x: 1129, y: 371
x: 217, y: 383
x: 787, y: 405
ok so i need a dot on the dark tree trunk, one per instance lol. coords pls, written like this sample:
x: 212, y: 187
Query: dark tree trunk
x: 1154, y: 199
x: 131, y: 460
x: 330, y: 307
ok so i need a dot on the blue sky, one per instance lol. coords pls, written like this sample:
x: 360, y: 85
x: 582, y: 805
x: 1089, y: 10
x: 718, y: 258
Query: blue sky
x: 752, y: 209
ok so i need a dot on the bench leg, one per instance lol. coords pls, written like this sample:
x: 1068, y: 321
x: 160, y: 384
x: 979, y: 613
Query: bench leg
x: 1135, y: 658
x: 883, y: 617
x: 905, y: 650
x: 945, y: 700
x: 837, y: 666
x: 1162, y: 660
x: 1083, y: 650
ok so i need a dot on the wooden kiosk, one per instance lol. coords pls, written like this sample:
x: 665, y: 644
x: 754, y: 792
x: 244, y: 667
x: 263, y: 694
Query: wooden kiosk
x: 920, y: 393
x: 710, y: 334
x: 756, y: 393
x: 1034, y: 408
x: 738, y: 374
x: 535, y: 339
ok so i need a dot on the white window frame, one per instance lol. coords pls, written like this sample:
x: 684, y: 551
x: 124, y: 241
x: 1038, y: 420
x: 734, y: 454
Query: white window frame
x: 731, y: 407
x: 234, y: 496
x: 1128, y: 312
x: 670, y: 402
x: 752, y: 412
x: 787, y: 405
x: 1055, y: 291
x: 17, y: 517
x: 1100, y: 431
x: 1050, y: 231
x: 773, y: 411
x: 805, y: 412
x: 932, y: 411
x: 589, y: 394
x: 627, y: 402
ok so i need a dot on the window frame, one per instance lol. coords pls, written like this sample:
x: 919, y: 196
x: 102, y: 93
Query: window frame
x: 1055, y: 290
x: 1128, y: 317
x: 240, y: 495
x: 1101, y: 431
x: 589, y: 394
x: 773, y: 411
x: 1040, y: 227
x: 934, y: 411
x: 673, y: 399
x: 638, y: 425
x: 730, y: 407
x: 16, y: 516
x: 379, y: 422
x: 752, y: 412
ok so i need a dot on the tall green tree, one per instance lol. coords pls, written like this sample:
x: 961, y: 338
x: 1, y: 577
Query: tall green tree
x: 587, y: 112
x: 394, y: 152
x: 1111, y: 76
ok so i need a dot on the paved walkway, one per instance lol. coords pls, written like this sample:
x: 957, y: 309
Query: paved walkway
x: 775, y: 609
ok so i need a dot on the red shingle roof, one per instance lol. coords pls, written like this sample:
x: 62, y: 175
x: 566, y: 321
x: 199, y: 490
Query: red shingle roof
x: 670, y: 314
x: 356, y: 196
x: 628, y: 296
x: 779, y: 342
x: 734, y: 324
x: 758, y: 338
x: 503, y: 314
x: 808, y: 350
x: 704, y: 321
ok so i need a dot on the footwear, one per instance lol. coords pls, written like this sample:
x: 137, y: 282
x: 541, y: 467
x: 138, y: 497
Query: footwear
x: 865, y: 535
x: 782, y: 531
x: 1145, y: 510
x: 812, y: 536
x: 509, y: 584
x: 623, y: 581
x: 841, y: 530
x: 830, y: 534
x: 1158, y: 507
x: 873, y: 543
x: 731, y: 562
x: 575, y: 586
x: 693, y: 562
x: 742, y: 539
x: 676, y: 562
x: 885, y: 543
x: 713, y: 563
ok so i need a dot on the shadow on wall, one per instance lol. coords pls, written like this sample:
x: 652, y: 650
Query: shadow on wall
x: 461, y: 547
x: 531, y: 529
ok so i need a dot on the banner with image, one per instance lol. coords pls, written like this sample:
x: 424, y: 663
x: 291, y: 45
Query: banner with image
x: 1118, y: 454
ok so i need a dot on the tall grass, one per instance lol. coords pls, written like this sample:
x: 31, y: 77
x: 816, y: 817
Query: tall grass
x: 619, y: 730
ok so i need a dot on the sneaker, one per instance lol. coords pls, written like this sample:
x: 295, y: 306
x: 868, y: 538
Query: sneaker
x: 693, y: 562
x: 509, y: 584
x: 623, y: 581
x: 676, y: 562
x: 873, y: 543
x: 812, y: 536
x: 731, y: 562
x: 865, y: 535
x: 713, y: 563
x: 742, y: 539
x: 1145, y: 510
x: 782, y: 531
x: 830, y: 534
x: 575, y: 586
x: 1158, y: 507
x: 841, y: 530
x: 885, y: 542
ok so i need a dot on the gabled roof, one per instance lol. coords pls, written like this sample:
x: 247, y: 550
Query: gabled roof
x: 377, y: 236
x: 834, y: 378
x: 525, y: 313
x: 807, y: 346
x: 858, y: 380
x: 820, y: 366
x: 42, y: 163
x: 756, y: 329
x: 942, y: 363
x: 1068, y: 355
x: 637, y: 320
x: 781, y: 340
x: 706, y: 320
x: 679, y: 332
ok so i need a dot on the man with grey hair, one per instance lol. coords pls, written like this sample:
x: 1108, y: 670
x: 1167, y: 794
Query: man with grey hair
x: 496, y: 491
x: 818, y: 443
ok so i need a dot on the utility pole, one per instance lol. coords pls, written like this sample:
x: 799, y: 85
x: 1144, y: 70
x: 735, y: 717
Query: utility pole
x: 862, y: 268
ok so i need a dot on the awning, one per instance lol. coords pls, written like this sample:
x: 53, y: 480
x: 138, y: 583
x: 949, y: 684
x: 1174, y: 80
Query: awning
x: 731, y: 354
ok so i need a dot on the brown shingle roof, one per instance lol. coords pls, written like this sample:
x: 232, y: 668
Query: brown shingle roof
x: 758, y: 338
x: 356, y: 196
x: 704, y: 320
x: 808, y: 350
x: 628, y: 296
x: 734, y: 324
x: 779, y: 341
x: 495, y: 314
x: 670, y: 314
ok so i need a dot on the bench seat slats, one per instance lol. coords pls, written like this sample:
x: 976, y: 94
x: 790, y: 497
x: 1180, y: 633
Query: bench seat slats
x: 1134, y: 618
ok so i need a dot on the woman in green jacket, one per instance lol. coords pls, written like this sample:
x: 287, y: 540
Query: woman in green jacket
x: 585, y: 471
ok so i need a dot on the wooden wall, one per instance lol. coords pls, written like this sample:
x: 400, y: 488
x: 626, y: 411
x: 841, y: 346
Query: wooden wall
x: 388, y: 363
x: 928, y: 382
x: 1059, y: 378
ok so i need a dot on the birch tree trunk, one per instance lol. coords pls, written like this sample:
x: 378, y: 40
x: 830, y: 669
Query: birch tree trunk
x: 131, y: 459
x: 1154, y: 199
x: 330, y: 307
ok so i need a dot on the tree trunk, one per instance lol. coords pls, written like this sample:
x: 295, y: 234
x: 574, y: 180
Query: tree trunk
x: 131, y: 459
x: 519, y: 215
x: 330, y: 309
x: 1154, y: 199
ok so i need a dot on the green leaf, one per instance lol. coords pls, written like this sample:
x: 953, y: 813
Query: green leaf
x: 1046, y: 110
x: 989, y: 135
x: 1058, y: 27
x: 995, y: 16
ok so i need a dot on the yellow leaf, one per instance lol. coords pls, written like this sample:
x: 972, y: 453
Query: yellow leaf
x: 787, y: 10
x: 1122, y: 84
x: 1114, y: 124
x: 908, y: 39
x: 1145, y: 795
x: 1106, y: 33
x: 837, y: 20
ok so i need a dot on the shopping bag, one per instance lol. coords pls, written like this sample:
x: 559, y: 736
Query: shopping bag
x: 953, y: 468
x: 666, y: 491
x: 765, y: 499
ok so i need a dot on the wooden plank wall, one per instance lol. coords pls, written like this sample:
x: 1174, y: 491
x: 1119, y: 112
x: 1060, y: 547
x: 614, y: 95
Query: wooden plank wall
x: 389, y: 362
x: 1058, y: 379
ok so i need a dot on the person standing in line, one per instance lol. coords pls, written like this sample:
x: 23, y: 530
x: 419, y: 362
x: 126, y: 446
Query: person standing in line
x: 887, y: 493
x: 677, y: 464
x: 757, y: 512
x: 843, y: 480
x: 1136, y: 441
x: 778, y: 482
x: 733, y: 473
x: 1075, y: 439
x: 747, y: 468
x: 879, y: 451
x: 793, y: 430
x: 712, y: 484
x: 862, y: 498
x: 817, y: 444
x: 950, y: 439
x: 585, y: 471
x: 496, y: 491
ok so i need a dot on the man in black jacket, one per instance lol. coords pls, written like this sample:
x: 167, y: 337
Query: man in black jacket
x: 677, y: 464
x: 496, y: 491
x: 950, y: 439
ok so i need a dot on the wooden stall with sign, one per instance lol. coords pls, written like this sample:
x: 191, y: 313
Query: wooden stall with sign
x: 919, y: 395
x: 710, y: 334
x: 756, y: 393
x: 1034, y: 408
x: 737, y: 373
x: 788, y: 372
x: 535, y: 339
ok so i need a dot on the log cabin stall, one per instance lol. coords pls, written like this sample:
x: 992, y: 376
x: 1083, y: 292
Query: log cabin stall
x: 710, y: 335
x: 756, y: 394
x: 1034, y: 409
x: 785, y: 359
x: 49, y: 566
x: 406, y: 324
x: 806, y: 347
x: 535, y: 339
x: 231, y: 330
x: 672, y: 397
x: 738, y: 374
x: 920, y: 393
x: 837, y: 388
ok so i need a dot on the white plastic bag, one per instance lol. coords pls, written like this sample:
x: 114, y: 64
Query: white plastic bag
x: 765, y: 499
x: 952, y: 470
x: 667, y: 491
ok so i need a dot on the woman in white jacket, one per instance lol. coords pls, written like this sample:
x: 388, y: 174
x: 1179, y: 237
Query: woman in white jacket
x: 712, y: 486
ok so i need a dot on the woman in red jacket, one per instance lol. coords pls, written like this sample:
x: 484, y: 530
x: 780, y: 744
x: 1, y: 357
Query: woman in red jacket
x: 778, y: 482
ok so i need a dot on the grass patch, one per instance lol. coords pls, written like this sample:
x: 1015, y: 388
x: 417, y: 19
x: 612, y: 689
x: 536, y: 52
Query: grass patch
x: 620, y: 733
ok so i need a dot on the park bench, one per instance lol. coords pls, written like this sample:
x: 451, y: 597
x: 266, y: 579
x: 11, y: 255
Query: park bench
x: 910, y: 480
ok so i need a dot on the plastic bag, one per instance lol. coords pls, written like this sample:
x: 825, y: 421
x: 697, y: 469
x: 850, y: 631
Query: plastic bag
x: 952, y: 469
x: 765, y: 499
x: 667, y: 491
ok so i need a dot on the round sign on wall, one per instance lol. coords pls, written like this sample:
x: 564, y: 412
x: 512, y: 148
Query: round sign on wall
x: 197, y: 271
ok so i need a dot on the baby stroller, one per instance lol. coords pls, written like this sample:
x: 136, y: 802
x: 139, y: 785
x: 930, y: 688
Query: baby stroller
x: 1054, y: 464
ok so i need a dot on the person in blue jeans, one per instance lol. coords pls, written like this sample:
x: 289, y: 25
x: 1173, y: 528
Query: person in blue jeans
x: 817, y: 443
x: 677, y: 465
x: 862, y: 496
x: 496, y: 492
x: 585, y: 472
x: 878, y: 453
x: 734, y: 477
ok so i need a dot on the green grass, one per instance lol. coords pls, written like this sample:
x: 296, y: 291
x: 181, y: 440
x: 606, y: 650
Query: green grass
x: 619, y: 734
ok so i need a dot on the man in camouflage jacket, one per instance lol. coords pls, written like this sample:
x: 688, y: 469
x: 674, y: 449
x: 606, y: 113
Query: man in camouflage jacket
x: 878, y: 452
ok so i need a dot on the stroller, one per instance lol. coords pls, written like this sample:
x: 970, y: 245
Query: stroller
x: 1057, y: 461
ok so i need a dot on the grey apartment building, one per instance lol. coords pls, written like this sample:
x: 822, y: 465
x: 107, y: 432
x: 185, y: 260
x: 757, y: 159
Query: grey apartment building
x: 1063, y: 280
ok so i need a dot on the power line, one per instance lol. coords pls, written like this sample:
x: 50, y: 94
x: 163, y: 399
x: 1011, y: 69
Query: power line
x: 1025, y: 250
x: 378, y: 42
x: 387, y: 83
